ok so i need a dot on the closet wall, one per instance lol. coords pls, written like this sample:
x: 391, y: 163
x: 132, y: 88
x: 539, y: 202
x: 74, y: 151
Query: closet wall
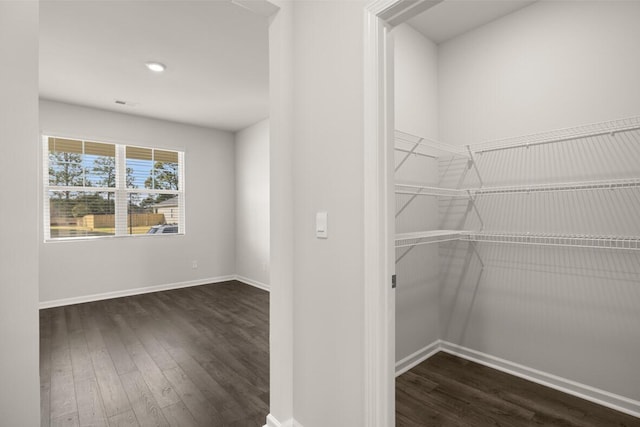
x: 416, y: 90
x: 570, y: 312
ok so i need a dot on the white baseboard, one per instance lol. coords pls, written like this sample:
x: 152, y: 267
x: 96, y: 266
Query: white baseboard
x: 417, y: 358
x: 583, y: 391
x: 253, y: 283
x: 135, y: 291
x: 273, y: 422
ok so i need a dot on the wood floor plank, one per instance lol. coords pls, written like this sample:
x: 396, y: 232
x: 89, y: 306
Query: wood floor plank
x: 147, y: 411
x: 62, y: 390
x: 45, y: 405
x: 125, y: 419
x: 208, y: 345
x: 113, y: 395
x: 62, y: 396
x: 203, y: 412
x: 69, y: 420
x: 119, y: 354
x: 159, y: 355
x: 178, y: 415
x: 447, y: 390
x: 90, y: 407
x: 160, y: 388
x: 45, y: 346
x: 80, y: 358
x: 225, y: 404
x: 73, y: 319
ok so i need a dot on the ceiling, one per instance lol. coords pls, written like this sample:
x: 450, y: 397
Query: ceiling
x: 452, y: 18
x: 93, y: 53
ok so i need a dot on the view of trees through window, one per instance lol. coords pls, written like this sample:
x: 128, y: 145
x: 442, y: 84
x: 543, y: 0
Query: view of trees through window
x: 88, y: 192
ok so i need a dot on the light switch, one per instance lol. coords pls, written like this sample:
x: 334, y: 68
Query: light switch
x: 321, y: 225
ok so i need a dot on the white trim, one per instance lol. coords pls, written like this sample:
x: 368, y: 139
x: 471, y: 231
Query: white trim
x: 583, y: 391
x: 418, y: 357
x: 273, y: 422
x: 134, y: 291
x: 379, y: 315
x: 379, y: 256
x: 253, y: 283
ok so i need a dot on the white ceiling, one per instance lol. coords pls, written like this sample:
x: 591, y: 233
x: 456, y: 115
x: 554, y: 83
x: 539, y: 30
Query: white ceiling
x: 93, y: 53
x: 452, y: 18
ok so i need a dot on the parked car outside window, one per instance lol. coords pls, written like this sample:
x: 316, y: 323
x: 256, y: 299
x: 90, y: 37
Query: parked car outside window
x: 163, y: 229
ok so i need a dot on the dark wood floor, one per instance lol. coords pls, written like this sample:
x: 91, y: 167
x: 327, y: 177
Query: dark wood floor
x: 449, y: 391
x: 187, y: 357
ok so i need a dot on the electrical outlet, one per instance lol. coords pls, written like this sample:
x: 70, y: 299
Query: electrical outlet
x: 194, y: 264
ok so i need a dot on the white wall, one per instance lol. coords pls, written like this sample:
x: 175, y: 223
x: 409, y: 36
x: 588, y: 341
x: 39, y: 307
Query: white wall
x: 281, y: 214
x: 82, y: 268
x: 327, y: 175
x: 19, y: 397
x: 550, y: 65
x: 416, y: 112
x: 569, y: 312
x: 252, y: 203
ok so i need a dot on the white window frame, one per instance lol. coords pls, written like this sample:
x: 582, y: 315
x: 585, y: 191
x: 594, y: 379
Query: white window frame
x: 120, y: 191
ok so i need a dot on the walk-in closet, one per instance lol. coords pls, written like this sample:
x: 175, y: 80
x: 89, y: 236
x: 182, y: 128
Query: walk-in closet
x: 517, y: 207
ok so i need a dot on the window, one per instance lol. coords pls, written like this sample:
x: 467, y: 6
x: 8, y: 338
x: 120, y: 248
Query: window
x: 94, y: 189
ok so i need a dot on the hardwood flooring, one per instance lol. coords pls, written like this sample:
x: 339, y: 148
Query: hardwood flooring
x: 189, y: 357
x: 449, y: 391
x: 200, y: 357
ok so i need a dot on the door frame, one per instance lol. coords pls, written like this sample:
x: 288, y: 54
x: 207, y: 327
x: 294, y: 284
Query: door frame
x: 379, y: 227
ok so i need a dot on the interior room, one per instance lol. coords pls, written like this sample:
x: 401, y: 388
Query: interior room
x: 153, y: 180
x: 499, y: 262
x: 516, y: 205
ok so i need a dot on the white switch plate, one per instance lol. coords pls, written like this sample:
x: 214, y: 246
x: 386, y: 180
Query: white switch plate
x: 322, y: 231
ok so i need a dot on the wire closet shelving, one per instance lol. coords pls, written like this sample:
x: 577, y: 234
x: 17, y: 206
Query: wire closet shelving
x: 411, y: 145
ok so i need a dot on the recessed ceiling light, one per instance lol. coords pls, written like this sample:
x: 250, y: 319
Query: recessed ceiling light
x: 156, y: 67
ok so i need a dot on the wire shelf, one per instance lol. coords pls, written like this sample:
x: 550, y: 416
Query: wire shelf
x: 424, y: 190
x: 404, y: 240
x: 567, y: 134
x: 435, y: 148
x: 581, y: 241
x: 605, y: 130
x: 612, y: 184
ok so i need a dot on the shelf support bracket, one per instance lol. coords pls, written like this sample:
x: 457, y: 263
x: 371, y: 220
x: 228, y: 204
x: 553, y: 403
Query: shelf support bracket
x: 405, y: 253
x: 474, y: 163
x: 408, y: 202
x: 409, y: 153
x: 472, y: 201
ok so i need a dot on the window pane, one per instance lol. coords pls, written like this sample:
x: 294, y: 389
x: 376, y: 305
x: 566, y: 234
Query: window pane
x: 139, y: 167
x: 83, y: 197
x: 65, y: 162
x: 99, y: 162
x: 152, y: 213
x: 165, y: 156
x: 165, y: 176
x: 79, y: 163
x: 81, y: 214
x: 61, y: 145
